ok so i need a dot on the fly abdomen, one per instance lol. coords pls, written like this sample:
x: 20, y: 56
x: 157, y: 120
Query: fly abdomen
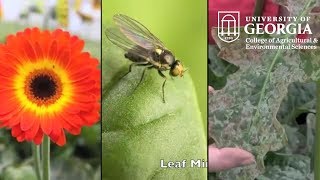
x: 133, y: 57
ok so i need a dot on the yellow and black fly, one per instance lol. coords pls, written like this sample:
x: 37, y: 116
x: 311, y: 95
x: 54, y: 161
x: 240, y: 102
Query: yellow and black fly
x: 143, y: 48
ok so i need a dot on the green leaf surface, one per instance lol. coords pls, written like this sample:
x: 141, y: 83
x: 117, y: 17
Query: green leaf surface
x: 243, y: 113
x: 139, y: 129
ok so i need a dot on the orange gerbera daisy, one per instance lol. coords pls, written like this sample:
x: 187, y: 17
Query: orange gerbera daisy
x: 47, y: 85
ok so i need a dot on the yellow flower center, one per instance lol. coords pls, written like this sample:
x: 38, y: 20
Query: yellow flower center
x: 43, y: 87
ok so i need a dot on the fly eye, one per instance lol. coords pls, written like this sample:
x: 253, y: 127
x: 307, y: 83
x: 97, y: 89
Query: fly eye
x: 169, y: 59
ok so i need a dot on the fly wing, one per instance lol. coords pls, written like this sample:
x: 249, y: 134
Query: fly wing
x: 137, y: 33
x: 118, y: 38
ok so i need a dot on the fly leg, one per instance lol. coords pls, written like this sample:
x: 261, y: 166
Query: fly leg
x: 134, y: 64
x: 163, y: 84
x: 143, y: 72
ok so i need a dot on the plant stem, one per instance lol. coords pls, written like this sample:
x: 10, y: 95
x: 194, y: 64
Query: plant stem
x: 258, y: 8
x: 36, y: 156
x: 46, y: 158
x: 317, y: 137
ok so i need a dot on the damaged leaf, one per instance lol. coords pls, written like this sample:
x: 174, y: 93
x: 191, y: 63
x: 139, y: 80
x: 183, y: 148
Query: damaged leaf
x: 244, y: 113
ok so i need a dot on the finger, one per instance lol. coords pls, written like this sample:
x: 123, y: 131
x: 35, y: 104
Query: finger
x: 210, y: 89
x: 227, y: 158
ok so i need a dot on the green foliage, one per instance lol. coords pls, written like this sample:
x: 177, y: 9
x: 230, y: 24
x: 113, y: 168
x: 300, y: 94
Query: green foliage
x: 8, y: 28
x: 219, y: 69
x: 300, y: 99
x: 300, y: 104
x: 287, y: 167
x: 74, y: 168
x: 94, y: 48
x: 20, y: 173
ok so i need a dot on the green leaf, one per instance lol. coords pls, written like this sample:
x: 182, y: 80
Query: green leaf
x: 19, y: 173
x: 287, y: 167
x: 7, y: 156
x: 215, y: 81
x: 299, y: 102
x: 311, y: 63
x: 139, y: 129
x: 301, y: 98
x: 72, y: 168
x: 311, y: 132
x: 219, y: 66
x: 94, y: 48
x: 218, y: 69
x: 9, y: 28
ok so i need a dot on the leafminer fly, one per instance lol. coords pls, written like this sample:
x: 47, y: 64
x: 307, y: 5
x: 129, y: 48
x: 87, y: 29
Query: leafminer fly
x: 143, y: 48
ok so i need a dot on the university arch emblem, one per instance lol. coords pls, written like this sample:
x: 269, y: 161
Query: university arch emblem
x: 228, y: 25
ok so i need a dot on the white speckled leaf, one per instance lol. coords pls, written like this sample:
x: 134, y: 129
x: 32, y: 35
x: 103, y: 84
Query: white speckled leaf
x: 243, y: 113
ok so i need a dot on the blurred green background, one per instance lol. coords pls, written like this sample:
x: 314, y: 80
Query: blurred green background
x: 180, y: 25
x: 79, y: 159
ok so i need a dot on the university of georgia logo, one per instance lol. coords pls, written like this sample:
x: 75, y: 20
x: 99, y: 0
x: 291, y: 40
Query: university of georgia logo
x: 228, y: 25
